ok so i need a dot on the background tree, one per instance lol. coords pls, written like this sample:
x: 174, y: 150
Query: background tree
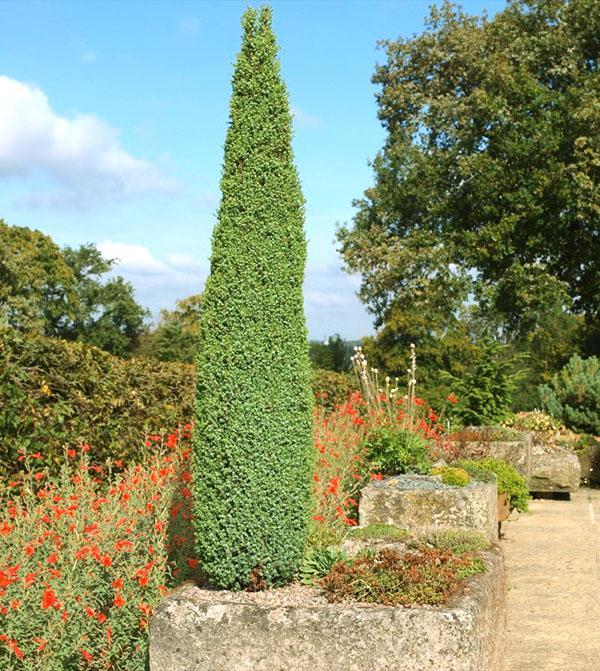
x: 175, y: 337
x: 37, y: 292
x: 252, y: 443
x: 332, y: 354
x: 486, y: 189
x: 63, y: 293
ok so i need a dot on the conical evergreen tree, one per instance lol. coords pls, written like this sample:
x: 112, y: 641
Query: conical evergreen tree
x: 253, y: 447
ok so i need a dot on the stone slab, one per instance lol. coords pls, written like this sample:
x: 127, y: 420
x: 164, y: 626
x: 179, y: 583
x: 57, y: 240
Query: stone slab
x: 393, y: 501
x: 188, y: 633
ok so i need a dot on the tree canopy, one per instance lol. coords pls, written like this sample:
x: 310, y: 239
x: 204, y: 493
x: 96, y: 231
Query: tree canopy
x: 485, y: 208
x: 64, y: 292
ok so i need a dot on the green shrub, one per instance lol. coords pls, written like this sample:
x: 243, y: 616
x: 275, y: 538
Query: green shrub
x: 331, y: 388
x: 253, y: 443
x: 458, y: 541
x: 573, y: 395
x: 386, y: 532
x: 455, y: 477
x: 509, y: 480
x: 392, y: 451
x: 535, y: 421
x: 56, y: 394
x: 485, y: 392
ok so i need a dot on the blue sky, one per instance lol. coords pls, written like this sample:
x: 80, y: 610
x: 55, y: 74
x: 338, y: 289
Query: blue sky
x: 113, y: 117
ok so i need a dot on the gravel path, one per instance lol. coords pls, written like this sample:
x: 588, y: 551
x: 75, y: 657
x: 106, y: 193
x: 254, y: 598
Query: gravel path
x: 553, y: 571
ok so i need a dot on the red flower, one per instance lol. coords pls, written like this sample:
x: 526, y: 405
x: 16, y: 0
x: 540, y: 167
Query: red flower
x: 48, y: 598
x: 452, y: 398
x: 86, y: 655
x: 119, y: 601
x: 192, y: 563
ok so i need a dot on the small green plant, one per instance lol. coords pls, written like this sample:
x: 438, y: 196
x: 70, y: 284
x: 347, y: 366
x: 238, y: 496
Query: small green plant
x: 485, y: 392
x: 573, y: 395
x: 379, y: 532
x: 318, y: 562
x: 509, y: 480
x: 426, y: 577
x: 452, y: 476
x: 458, y: 541
x: 392, y: 451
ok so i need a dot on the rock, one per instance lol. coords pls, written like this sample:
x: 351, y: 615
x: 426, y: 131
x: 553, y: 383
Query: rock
x: 554, y: 469
x: 191, y: 631
x: 517, y: 453
x: 418, y: 503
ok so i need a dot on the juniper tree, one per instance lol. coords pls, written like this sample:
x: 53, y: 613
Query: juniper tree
x: 252, y: 446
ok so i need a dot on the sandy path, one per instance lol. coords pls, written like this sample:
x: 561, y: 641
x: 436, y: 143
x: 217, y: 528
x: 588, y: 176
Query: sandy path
x: 553, y: 572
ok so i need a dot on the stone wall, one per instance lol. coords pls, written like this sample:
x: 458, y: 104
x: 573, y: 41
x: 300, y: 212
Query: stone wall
x: 192, y: 633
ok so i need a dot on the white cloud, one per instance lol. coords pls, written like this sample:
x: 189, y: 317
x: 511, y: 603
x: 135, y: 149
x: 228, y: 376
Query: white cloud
x: 305, y: 119
x: 326, y: 299
x: 182, y: 261
x: 331, y: 304
x: 132, y: 259
x: 81, y: 156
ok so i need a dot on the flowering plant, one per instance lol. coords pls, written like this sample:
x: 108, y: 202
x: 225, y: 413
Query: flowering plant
x: 86, y: 556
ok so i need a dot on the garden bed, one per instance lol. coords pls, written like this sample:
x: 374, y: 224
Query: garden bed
x: 418, y: 503
x: 294, y: 628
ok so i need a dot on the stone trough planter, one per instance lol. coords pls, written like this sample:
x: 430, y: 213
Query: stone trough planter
x: 193, y: 630
x: 518, y: 453
x: 555, y: 469
x: 421, y: 502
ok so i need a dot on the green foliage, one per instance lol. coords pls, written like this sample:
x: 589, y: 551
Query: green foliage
x: 392, y: 451
x: 37, y: 292
x: 537, y: 422
x: 333, y: 354
x: 54, y: 292
x: 509, y: 480
x: 458, y: 541
x: 427, y: 577
x: 485, y: 205
x: 55, y: 395
x: 318, y: 562
x: 485, y: 391
x: 379, y: 532
x: 253, y: 444
x: 573, y: 396
x: 455, y: 477
x: 175, y: 337
x: 331, y: 388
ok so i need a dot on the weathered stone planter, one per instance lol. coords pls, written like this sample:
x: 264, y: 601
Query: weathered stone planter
x: 192, y: 633
x: 420, y: 502
x: 554, y: 469
x: 517, y: 453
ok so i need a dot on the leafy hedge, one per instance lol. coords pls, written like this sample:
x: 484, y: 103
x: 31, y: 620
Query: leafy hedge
x: 56, y: 394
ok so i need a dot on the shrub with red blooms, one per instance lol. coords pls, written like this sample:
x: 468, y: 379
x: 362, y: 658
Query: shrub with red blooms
x: 342, y: 464
x: 86, y: 556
